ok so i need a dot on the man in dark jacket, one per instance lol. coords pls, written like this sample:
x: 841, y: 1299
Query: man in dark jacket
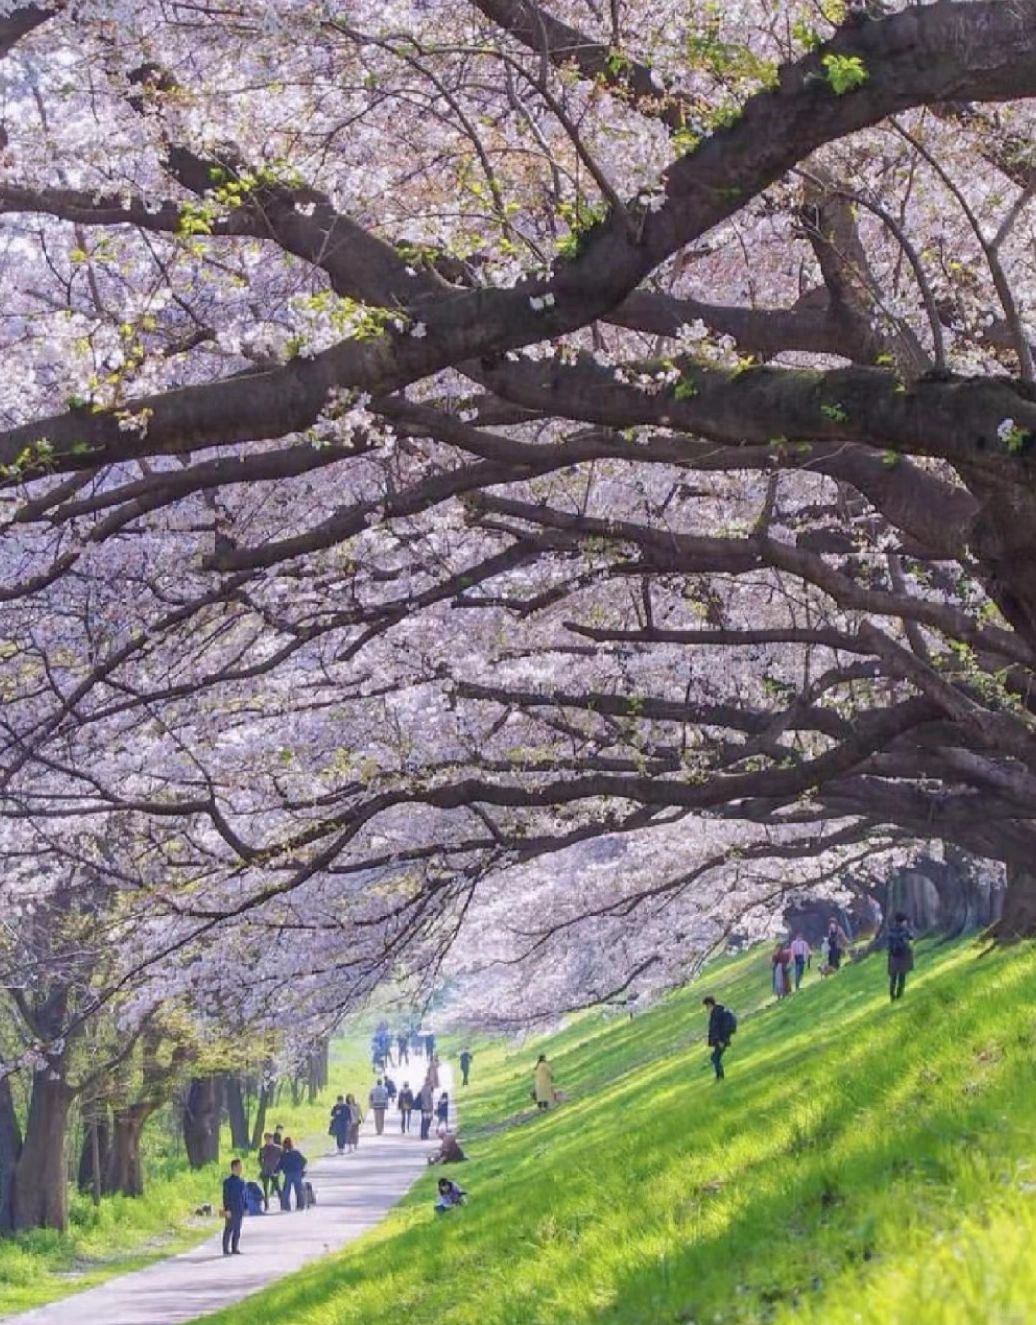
x: 406, y: 1107
x: 269, y: 1159
x: 465, y: 1064
x: 719, y: 1033
x: 901, y: 953
x: 233, y: 1209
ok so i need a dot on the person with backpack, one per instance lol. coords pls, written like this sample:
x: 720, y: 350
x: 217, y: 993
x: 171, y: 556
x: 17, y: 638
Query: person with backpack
x: 405, y: 1104
x: 378, y: 1100
x: 837, y: 944
x: 293, y: 1166
x: 722, y: 1025
x: 465, y: 1065
x: 341, y: 1123
x: 233, y: 1209
x: 269, y: 1159
x: 901, y: 954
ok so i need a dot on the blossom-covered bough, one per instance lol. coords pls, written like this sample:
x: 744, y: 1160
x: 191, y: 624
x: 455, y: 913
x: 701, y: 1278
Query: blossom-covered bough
x: 530, y: 479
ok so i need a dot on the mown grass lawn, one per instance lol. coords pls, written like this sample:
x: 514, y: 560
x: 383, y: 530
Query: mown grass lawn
x: 861, y: 1163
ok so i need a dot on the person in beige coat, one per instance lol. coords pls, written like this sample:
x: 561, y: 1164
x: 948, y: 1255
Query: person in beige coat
x: 544, y: 1087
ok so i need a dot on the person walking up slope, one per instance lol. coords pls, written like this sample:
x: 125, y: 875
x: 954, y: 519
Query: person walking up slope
x: 543, y: 1088
x: 801, y: 956
x: 901, y: 954
x: 722, y: 1025
x: 465, y: 1065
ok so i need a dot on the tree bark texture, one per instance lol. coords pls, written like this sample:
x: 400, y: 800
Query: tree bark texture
x: 201, y: 1115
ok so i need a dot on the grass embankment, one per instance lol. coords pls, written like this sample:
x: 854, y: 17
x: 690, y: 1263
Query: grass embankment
x: 861, y: 1163
x: 124, y: 1233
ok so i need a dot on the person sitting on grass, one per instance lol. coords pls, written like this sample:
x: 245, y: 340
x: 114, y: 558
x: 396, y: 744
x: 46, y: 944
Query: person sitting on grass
x: 449, y: 1196
x: 449, y: 1151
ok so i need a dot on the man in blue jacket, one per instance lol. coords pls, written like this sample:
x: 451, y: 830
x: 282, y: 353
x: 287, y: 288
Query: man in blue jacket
x: 233, y: 1209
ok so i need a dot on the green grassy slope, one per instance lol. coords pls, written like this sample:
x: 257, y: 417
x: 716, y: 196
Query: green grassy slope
x: 123, y: 1233
x: 861, y: 1163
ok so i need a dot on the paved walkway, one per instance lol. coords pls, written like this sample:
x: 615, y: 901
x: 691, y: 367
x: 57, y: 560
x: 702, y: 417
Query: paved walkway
x: 353, y: 1193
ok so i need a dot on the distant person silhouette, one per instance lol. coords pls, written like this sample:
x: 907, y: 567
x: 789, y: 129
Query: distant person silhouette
x: 900, y: 945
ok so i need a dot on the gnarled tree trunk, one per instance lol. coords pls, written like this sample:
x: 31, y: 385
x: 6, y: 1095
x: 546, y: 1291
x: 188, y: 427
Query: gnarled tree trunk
x: 201, y: 1114
x: 40, y: 1198
x: 93, y: 1158
x: 124, y: 1171
x: 237, y: 1113
x: 1018, y: 919
x: 261, y: 1108
x: 10, y: 1149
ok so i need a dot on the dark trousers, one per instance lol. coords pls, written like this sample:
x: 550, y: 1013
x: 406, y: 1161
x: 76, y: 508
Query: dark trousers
x: 426, y: 1125
x: 716, y: 1058
x: 897, y: 983
x: 404, y: 1120
x: 800, y: 970
x: 269, y: 1180
x: 465, y: 1070
x: 232, y: 1232
x: 293, y: 1183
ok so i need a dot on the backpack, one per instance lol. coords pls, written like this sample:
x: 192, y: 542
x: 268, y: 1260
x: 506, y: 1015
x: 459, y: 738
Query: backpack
x: 729, y: 1022
x: 253, y: 1198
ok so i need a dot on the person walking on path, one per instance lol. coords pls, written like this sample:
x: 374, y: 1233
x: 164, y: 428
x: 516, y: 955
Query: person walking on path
x: 465, y: 1065
x: 403, y: 1045
x: 837, y: 944
x: 901, y: 954
x: 405, y: 1105
x: 425, y: 1100
x: 442, y: 1109
x: 233, y: 1209
x: 341, y: 1123
x: 801, y: 957
x: 722, y: 1025
x: 378, y: 1100
x: 269, y: 1159
x: 293, y: 1166
x: 543, y: 1087
x: 429, y: 1045
x: 781, y: 963
x: 355, y: 1119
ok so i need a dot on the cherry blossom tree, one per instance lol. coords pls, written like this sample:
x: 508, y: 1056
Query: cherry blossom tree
x: 440, y: 440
